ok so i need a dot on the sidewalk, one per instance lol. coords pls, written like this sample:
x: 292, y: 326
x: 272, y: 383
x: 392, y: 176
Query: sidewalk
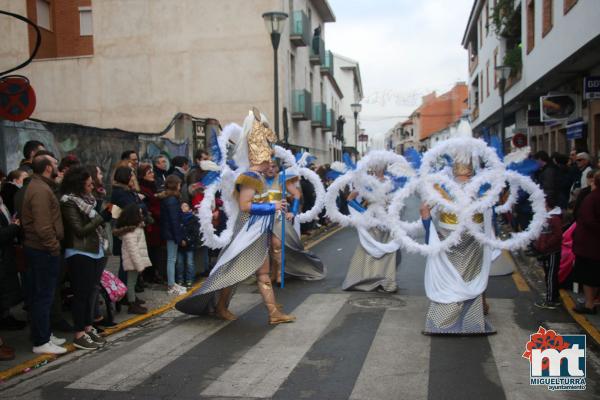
x: 534, y: 275
x: 157, y: 302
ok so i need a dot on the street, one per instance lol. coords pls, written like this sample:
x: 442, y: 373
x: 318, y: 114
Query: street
x: 343, y: 345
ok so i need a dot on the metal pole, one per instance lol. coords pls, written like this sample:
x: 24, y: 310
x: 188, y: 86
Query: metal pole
x: 275, y: 37
x: 356, y: 132
x: 502, y: 128
x: 283, y: 214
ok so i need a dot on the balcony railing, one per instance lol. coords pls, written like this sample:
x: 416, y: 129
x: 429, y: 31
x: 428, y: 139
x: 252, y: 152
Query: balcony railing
x: 301, y: 105
x: 329, y: 121
x: 327, y: 66
x: 300, y: 29
x: 318, y: 115
x: 317, y: 57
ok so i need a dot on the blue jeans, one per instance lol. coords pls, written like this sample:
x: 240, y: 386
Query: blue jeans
x: 171, y: 261
x: 186, y: 270
x: 42, y: 278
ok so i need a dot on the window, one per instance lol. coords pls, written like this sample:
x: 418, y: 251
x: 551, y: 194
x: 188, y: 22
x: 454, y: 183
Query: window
x: 86, y: 27
x: 530, y: 25
x: 495, y: 65
x: 487, y: 78
x: 480, y: 32
x: 481, y: 80
x: 568, y: 4
x: 43, y: 14
x: 547, y: 17
x: 487, y: 18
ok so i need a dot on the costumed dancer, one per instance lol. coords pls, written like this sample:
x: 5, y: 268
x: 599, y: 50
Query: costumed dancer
x: 373, y: 265
x: 462, y: 311
x: 299, y: 263
x: 248, y: 251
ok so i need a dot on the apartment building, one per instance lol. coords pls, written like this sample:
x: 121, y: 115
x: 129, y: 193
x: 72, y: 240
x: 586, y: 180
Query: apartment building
x: 553, y: 50
x: 134, y: 64
x: 435, y: 114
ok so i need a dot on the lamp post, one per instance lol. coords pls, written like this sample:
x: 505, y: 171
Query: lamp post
x: 356, y: 108
x: 275, y: 21
x: 504, y: 71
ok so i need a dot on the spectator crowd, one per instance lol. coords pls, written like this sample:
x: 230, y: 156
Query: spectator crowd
x: 58, y: 224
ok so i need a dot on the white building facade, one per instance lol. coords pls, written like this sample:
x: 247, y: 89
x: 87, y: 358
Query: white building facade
x: 347, y: 74
x: 552, y: 47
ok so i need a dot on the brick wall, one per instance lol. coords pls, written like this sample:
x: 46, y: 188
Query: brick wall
x: 64, y: 40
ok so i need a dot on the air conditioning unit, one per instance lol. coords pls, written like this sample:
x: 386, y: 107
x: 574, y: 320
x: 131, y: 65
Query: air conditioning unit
x: 560, y: 106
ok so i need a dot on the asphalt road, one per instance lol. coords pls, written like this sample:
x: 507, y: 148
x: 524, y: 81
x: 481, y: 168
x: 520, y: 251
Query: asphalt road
x: 344, y: 345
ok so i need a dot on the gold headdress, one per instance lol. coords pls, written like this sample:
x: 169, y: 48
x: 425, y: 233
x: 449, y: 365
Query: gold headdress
x: 260, y: 139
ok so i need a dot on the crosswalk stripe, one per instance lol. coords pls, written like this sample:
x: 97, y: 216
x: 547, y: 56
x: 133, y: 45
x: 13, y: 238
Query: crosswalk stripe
x: 135, y: 367
x: 262, y: 370
x: 507, y: 346
x: 397, y: 365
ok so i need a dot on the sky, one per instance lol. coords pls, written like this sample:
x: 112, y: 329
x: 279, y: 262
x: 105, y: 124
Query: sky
x: 405, y: 49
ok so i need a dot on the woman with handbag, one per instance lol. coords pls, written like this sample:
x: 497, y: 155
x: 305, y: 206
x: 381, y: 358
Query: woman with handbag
x: 85, y: 245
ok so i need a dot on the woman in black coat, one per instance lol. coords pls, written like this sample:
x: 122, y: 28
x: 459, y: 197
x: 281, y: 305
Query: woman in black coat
x: 10, y: 288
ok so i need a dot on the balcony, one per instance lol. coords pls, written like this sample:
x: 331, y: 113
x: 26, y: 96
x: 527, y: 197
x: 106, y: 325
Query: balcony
x: 329, y: 125
x: 327, y: 66
x: 301, y: 105
x: 317, y: 57
x: 300, y: 29
x: 318, y: 115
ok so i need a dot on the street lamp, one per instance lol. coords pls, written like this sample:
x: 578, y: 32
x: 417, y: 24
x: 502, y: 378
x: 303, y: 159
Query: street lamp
x: 356, y: 108
x: 275, y: 21
x: 504, y: 71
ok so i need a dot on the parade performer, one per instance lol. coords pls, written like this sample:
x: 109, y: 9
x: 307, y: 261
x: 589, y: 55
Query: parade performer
x: 460, y: 181
x: 299, y: 263
x: 469, y: 258
x: 374, y: 263
x: 247, y: 253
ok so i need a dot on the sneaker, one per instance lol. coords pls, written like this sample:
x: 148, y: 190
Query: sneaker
x: 189, y: 284
x: 85, y: 343
x: 181, y: 289
x: 549, y: 305
x: 57, y: 341
x: 49, y: 348
x: 96, y: 338
x: 174, y: 291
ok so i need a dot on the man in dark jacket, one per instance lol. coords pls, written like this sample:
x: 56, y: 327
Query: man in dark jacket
x: 29, y: 151
x: 547, y: 175
x: 160, y: 172
x: 43, y: 232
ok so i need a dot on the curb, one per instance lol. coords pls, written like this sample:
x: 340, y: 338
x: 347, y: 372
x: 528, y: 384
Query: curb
x: 568, y: 304
x: 44, y: 359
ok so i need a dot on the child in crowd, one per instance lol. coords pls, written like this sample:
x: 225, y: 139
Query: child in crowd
x: 186, y: 270
x: 130, y: 228
x: 171, y: 229
x: 548, y: 245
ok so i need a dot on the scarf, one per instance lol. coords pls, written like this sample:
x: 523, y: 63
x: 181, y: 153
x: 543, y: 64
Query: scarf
x: 87, y: 206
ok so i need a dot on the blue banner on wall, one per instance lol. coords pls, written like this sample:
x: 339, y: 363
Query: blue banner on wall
x: 576, y: 130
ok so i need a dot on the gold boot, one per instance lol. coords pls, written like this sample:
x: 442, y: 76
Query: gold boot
x: 266, y: 290
x: 275, y: 271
